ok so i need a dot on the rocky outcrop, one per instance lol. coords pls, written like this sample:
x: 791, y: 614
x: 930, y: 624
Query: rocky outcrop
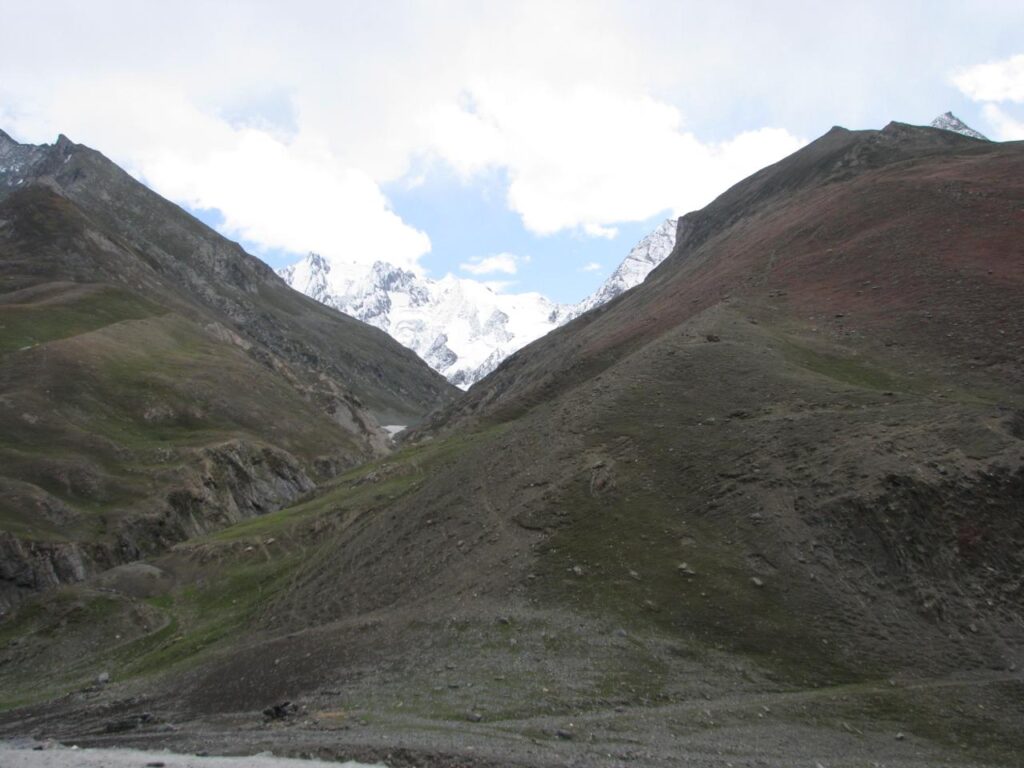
x: 30, y: 566
x: 235, y: 481
x: 223, y: 485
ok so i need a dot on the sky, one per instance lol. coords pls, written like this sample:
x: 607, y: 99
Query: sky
x: 526, y: 144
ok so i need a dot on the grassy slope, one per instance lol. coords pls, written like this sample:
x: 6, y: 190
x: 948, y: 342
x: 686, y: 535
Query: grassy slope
x: 68, y: 311
x: 96, y: 415
x: 222, y: 584
x: 141, y: 355
x: 196, y: 267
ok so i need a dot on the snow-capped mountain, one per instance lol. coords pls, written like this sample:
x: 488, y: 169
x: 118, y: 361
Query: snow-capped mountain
x: 461, y: 328
x: 645, y: 256
x: 950, y: 122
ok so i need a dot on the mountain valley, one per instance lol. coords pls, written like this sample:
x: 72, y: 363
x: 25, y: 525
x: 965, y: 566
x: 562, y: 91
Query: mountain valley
x: 762, y: 508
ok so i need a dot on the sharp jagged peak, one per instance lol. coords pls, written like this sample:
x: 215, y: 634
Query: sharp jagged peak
x: 319, y: 262
x: 639, y: 262
x: 63, y: 143
x: 947, y: 121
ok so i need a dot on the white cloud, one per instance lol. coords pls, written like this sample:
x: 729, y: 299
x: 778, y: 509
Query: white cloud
x: 1003, y: 126
x: 599, y: 230
x: 504, y: 263
x: 588, y: 157
x: 595, y: 112
x: 995, y: 81
x: 286, y: 193
x: 591, y: 266
x: 293, y: 149
x: 290, y: 196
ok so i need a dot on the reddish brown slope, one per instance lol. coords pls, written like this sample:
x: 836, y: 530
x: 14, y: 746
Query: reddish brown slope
x: 894, y: 241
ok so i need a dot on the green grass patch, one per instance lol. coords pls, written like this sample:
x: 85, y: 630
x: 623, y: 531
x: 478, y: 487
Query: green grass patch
x: 80, y: 310
x: 846, y: 370
x: 23, y: 620
x: 202, y: 616
x: 59, y: 641
x: 63, y: 638
x: 630, y: 558
x: 972, y: 718
x: 363, y: 487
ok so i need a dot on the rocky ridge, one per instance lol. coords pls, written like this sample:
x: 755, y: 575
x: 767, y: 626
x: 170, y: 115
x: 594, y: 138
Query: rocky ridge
x: 464, y: 330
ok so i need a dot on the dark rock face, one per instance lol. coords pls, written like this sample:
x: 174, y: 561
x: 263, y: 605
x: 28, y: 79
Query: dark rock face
x: 229, y: 483
x: 32, y: 566
x: 439, y: 351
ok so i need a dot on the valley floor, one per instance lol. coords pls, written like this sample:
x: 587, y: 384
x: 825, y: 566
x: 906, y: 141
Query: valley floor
x: 838, y: 726
x: 47, y: 755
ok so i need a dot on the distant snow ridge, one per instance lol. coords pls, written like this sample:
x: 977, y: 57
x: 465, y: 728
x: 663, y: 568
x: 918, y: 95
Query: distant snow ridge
x: 460, y: 327
x: 645, y: 256
x: 950, y: 122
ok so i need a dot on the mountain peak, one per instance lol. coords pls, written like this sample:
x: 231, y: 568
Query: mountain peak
x: 459, y: 327
x: 644, y: 257
x: 947, y: 121
x: 316, y: 261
